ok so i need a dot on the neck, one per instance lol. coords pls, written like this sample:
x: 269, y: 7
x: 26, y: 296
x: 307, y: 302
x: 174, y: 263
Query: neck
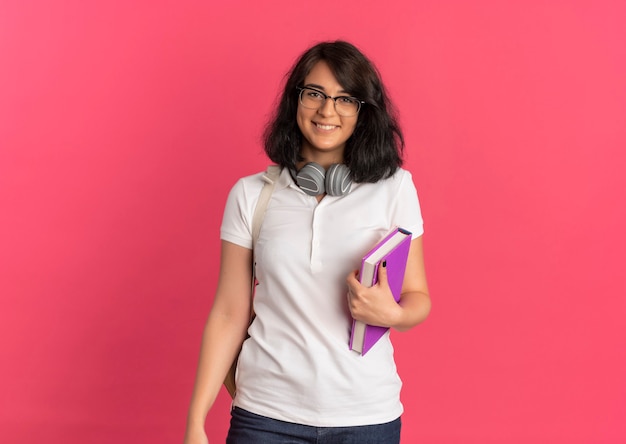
x: 324, y: 159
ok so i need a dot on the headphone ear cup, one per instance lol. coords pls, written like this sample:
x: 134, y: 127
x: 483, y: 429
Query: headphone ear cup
x: 310, y: 179
x: 338, y: 180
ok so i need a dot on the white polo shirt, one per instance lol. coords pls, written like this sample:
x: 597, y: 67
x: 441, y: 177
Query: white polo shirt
x: 297, y: 366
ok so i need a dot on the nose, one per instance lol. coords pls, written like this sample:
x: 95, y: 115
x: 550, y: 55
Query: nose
x: 328, y: 107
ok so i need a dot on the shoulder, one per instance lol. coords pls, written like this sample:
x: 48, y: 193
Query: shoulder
x: 248, y: 185
x: 252, y: 179
x: 239, y: 209
x: 247, y: 190
x: 399, y: 178
x: 401, y: 185
x: 402, y: 174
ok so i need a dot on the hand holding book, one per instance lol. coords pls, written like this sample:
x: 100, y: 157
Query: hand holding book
x: 373, y: 305
x: 370, y: 297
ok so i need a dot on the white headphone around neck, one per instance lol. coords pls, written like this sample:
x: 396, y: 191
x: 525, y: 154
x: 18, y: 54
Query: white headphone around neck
x: 314, y: 180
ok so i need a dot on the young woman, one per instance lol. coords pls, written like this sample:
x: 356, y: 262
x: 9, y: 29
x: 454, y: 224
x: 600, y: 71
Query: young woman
x: 340, y: 190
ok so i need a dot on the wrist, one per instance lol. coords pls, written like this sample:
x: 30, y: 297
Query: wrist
x: 195, y: 421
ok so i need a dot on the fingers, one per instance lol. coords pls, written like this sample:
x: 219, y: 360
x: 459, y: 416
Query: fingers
x: 353, y: 285
x: 352, y: 281
x: 382, y: 274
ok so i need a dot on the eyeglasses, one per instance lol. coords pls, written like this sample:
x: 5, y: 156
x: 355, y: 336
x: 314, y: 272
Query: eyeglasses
x: 345, y: 106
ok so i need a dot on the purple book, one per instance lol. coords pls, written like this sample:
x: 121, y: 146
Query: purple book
x: 394, y: 249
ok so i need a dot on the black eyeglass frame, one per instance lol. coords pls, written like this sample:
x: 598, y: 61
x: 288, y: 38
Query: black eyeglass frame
x: 326, y: 97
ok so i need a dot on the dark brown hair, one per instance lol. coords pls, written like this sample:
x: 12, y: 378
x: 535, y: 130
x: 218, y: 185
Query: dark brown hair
x: 374, y: 151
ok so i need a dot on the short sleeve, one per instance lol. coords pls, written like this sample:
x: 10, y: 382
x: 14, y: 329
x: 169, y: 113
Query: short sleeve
x: 237, y: 219
x: 408, y: 213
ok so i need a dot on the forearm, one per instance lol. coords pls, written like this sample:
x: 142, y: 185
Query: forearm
x: 221, y: 341
x: 413, y: 309
x: 414, y: 305
x: 225, y: 330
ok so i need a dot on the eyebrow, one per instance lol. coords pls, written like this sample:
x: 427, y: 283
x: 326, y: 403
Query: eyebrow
x: 320, y: 87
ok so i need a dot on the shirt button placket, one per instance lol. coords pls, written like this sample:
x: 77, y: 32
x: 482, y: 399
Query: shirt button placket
x: 316, y: 263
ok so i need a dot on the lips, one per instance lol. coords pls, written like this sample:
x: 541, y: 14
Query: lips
x: 325, y: 127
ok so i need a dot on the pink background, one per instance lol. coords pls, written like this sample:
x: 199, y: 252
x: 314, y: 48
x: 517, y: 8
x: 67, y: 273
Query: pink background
x: 124, y: 124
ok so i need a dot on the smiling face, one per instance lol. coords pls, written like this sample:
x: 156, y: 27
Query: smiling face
x: 325, y: 132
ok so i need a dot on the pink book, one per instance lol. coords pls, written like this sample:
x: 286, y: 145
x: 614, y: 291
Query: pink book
x: 394, y: 249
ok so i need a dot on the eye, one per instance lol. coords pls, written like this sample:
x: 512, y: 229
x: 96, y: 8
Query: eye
x: 345, y: 100
x: 313, y: 94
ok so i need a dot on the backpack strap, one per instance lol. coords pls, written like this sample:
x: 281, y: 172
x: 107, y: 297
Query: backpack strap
x: 270, y: 177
